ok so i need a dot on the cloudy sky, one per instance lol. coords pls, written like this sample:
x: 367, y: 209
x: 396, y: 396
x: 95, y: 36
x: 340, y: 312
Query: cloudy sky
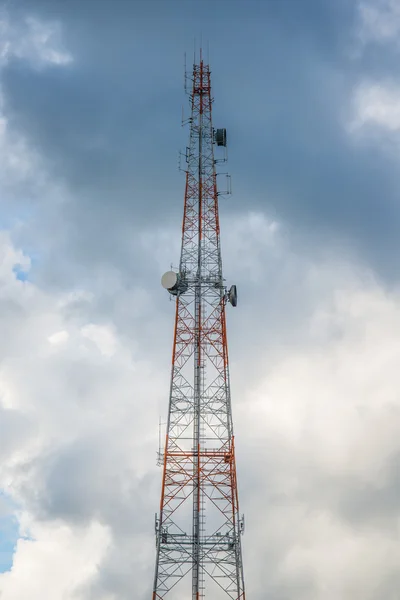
x: 91, y: 95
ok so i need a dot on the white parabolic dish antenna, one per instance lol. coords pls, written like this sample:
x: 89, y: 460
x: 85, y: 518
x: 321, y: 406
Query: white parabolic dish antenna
x: 169, y: 280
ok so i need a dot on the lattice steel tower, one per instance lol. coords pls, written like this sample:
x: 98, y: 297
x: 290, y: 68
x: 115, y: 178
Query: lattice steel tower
x: 198, y: 529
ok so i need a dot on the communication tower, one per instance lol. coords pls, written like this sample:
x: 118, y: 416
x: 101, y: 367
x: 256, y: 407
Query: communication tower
x: 199, y: 527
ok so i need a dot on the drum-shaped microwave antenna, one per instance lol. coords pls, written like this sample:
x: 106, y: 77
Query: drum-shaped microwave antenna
x: 232, y: 295
x: 220, y: 137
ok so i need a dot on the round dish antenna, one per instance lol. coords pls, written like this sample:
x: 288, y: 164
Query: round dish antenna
x: 175, y: 283
x: 232, y: 295
x: 169, y: 280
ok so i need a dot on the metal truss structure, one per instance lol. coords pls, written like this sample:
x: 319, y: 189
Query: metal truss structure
x: 199, y: 528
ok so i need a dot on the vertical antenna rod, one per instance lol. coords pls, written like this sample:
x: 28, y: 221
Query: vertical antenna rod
x: 198, y: 529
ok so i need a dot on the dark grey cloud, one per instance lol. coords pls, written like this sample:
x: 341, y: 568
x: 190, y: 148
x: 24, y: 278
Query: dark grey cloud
x: 108, y: 124
x: 87, y: 480
x: 374, y: 504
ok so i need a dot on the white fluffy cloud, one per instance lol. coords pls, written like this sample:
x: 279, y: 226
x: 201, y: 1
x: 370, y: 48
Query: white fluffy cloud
x: 377, y: 104
x: 379, y: 21
x: 56, y: 563
x: 316, y: 432
x: 32, y: 40
x: 321, y: 430
x: 374, y: 108
x: 75, y: 452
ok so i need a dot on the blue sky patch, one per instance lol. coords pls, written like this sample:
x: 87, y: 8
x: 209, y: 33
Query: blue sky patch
x: 9, y: 534
x: 20, y: 273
